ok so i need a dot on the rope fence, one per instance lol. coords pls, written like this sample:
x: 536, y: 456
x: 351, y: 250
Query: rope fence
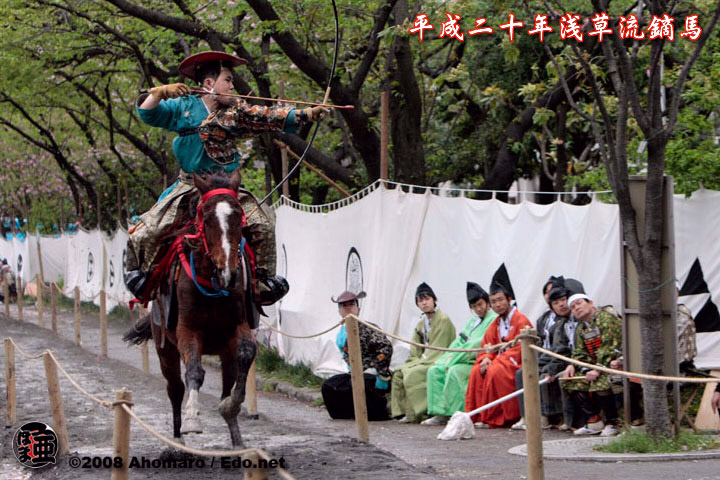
x: 123, y: 400
x: 285, y: 334
x: 625, y: 373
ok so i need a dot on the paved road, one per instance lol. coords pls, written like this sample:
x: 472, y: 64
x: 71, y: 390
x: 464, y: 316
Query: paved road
x: 313, y: 445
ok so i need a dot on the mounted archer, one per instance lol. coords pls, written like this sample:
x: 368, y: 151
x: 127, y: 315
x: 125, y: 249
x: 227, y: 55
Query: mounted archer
x: 224, y: 118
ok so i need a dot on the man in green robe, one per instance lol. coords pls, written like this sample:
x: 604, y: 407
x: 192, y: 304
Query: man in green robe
x: 409, y: 386
x: 447, y: 379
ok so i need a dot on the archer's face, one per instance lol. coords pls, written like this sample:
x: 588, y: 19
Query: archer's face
x: 223, y: 84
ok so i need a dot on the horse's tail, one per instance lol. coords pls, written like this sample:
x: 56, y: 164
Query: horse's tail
x: 139, y: 332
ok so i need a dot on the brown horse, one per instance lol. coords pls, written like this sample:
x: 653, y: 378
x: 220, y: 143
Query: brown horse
x: 210, y: 293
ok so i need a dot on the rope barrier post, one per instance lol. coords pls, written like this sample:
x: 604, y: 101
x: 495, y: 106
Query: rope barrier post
x: 121, y: 434
x: 10, y: 380
x: 56, y: 404
x: 78, y: 341
x: 20, y: 298
x: 40, y: 280
x: 258, y: 470
x: 145, y: 357
x: 358, y: 378
x: 103, y: 309
x: 39, y: 283
x: 103, y: 324
x: 53, y: 305
x: 533, y: 432
x: 144, y: 348
x: 6, y: 296
x: 251, y: 393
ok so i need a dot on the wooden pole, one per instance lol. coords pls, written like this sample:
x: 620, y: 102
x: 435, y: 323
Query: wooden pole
x: 119, y: 203
x: 6, y: 295
x: 535, y: 467
x: 145, y: 357
x: 103, y: 324
x: 10, y: 380
x: 53, y: 304
x: 384, y: 136
x: 78, y: 341
x: 39, y: 252
x: 284, y: 163
x: 258, y: 471
x: 39, y: 283
x: 121, y: 434
x: 251, y: 393
x: 103, y: 307
x: 56, y: 404
x: 99, y: 213
x: 313, y: 168
x: 358, y: 379
x: 20, y: 298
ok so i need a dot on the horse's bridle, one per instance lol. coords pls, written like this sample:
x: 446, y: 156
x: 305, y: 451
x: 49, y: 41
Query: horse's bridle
x: 189, y: 266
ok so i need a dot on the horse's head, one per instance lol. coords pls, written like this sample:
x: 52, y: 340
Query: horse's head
x: 222, y: 220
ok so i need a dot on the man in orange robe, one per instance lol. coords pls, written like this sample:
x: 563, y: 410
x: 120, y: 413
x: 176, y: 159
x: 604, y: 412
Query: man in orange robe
x: 493, y: 375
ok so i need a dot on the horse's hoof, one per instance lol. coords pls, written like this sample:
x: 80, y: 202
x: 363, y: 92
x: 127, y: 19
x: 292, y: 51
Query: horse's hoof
x: 191, y: 425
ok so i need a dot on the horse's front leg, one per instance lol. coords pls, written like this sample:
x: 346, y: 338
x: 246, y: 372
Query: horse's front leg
x: 190, y: 346
x: 230, y: 405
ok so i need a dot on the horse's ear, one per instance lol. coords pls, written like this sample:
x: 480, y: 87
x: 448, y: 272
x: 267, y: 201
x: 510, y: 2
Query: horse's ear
x: 201, y: 184
x: 235, y: 180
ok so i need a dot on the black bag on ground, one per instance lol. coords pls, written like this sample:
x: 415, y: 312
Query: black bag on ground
x: 338, y: 398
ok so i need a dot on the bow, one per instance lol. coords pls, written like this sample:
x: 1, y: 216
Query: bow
x: 317, y: 124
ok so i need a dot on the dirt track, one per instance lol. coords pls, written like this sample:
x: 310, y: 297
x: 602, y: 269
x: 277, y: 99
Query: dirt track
x: 312, y: 445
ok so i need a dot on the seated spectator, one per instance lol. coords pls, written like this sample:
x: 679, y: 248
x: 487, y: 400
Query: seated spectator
x: 447, y: 379
x: 7, y: 278
x: 564, y: 343
x: 715, y: 400
x: 409, y: 382
x: 550, y: 394
x: 687, y: 346
x: 376, y: 351
x: 493, y: 375
x: 597, y: 339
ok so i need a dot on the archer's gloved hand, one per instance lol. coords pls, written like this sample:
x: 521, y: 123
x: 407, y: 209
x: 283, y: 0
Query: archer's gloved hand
x: 174, y: 90
x: 313, y: 114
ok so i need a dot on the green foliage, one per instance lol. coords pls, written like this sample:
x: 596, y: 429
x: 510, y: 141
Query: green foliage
x: 639, y: 441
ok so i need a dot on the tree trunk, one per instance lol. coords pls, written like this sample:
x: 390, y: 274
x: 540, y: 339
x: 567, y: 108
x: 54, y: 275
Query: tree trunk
x: 406, y: 110
x: 657, y: 414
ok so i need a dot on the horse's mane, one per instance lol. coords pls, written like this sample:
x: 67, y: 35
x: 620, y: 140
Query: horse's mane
x: 184, y: 220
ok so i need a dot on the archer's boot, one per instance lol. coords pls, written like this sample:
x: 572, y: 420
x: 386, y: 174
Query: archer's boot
x: 272, y: 287
x: 135, y: 278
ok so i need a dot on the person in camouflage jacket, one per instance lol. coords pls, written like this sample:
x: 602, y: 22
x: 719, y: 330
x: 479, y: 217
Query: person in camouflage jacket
x: 598, y: 340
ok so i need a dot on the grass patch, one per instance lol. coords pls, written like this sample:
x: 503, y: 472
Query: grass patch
x: 270, y: 364
x: 638, y: 441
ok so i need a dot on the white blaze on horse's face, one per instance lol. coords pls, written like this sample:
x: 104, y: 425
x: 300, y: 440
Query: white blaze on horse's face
x: 222, y: 212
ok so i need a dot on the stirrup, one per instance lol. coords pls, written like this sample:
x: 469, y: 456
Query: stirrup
x: 276, y: 287
x: 135, y: 281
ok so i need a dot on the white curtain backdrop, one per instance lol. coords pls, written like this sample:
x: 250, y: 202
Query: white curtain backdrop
x: 389, y: 241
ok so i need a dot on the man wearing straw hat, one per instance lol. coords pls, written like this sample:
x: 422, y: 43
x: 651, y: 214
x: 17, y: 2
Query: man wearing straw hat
x: 376, y: 352
x: 172, y: 107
